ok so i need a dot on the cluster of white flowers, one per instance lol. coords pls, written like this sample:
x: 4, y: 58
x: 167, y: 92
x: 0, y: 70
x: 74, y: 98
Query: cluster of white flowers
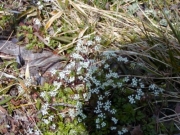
x: 37, y: 22
x: 71, y: 112
x: 40, y: 6
x: 44, y: 109
x: 31, y: 131
x: 156, y: 90
x: 98, y: 76
x: 79, y: 62
x: 104, y: 105
x: 124, y: 130
x: 79, y: 111
x: 139, y: 93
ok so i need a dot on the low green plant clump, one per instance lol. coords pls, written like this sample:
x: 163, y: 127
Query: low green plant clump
x: 101, y: 93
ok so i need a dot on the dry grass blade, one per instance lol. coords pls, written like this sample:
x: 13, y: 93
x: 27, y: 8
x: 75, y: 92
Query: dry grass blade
x: 7, y: 75
x: 27, y: 73
x: 82, y: 32
x: 52, y: 19
x: 78, y: 8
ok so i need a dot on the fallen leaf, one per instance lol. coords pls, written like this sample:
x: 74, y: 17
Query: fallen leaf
x: 2, y: 110
x: 177, y: 109
x: 137, y: 131
x: 41, y: 38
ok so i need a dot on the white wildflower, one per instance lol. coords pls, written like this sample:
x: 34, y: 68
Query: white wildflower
x: 113, y: 128
x: 53, y: 126
x: 53, y: 71
x: 102, y: 115
x: 113, y: 111
x: 79, y: 119
x: 37, y: 22
x: 62, y: 75
x: 57, y: 84
x: 40, y: 6
x: 137, y: 97
x: 43, y: 94
x: 114, y: 120
x: 77, y: 56
x: 46, y: 121
x: 97, y: 120
x: 20, y: 89
x: 121, y: 59
x: 84, y: 64
x: 53, y: 93
x: 37, y: 132
x: 100, y: 97
x: 107, y: 93
x: 80, y: 78
x: 97, y: 47
x: 89, y: 42
x: 119, y: 84
x: 30, y: 130
x: 63, y: 114
x: 97, y: 39
x: 97, y: 126
x: 71, y: 113
x: 124, y: 130
x: 120, y: 133
x: 103, y: 124
x: 131, y: 99
x: 76, y: 96
x: 50, y: 117
x: 71, y: 79
x: 139, y: 92
x: 134, y: 82
x: 152, y: 86
x: 126, y: 79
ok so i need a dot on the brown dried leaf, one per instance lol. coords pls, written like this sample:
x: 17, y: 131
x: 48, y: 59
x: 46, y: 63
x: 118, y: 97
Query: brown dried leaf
x: 14, y: 102
x: 2, y: 110
x: 137, y: 131
x: 3, y: 114
x: 40, y: 38
x: 82, y: 32
x: 3, y: 129
x: 177, y: 109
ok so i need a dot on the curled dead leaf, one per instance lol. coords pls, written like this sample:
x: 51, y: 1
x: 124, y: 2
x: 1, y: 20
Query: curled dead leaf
x: 137, y: 131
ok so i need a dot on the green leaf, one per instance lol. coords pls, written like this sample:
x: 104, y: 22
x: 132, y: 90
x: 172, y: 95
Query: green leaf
x: 7, y: 99
x: 63, y: 39
x: 38, y: 103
